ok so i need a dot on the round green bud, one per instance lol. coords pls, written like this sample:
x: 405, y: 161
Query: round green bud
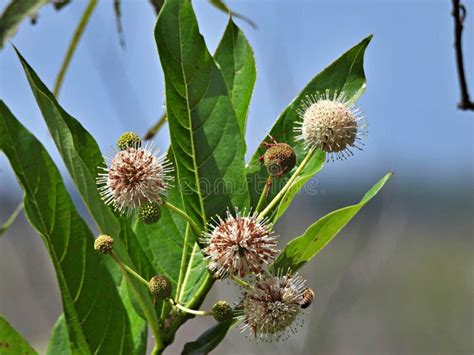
x: 150, y: 213
x: 279, y: 159
x: 160, y: 286
x: 222, y: 311
x: 104, y: 244
x: 129, y: 140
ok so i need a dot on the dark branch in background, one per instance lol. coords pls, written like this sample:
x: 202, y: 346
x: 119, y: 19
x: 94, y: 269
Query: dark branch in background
x: 459, y: 14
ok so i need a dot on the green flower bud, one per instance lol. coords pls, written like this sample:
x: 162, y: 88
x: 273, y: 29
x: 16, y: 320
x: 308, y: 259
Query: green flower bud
x: 279, y: 159
x: 150, y: 213
x: 129, y: 140
x: 160, y: 287
x: 222, y: 311
x: 104, y: 244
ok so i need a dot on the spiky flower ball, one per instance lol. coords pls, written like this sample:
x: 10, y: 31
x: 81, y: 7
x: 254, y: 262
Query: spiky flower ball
x: 136, y: 176
x: 331, y: 123
x: 104, y: 244
x: 150, y: 212
x: 129, y: 140
x: 239, y: 245
x: 279, y: 159
x: 222, y: 311
x: 270, y: 309
x: 160, y: 287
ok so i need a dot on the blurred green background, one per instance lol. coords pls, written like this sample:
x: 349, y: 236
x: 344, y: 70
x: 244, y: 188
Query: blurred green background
x: 400, y: 278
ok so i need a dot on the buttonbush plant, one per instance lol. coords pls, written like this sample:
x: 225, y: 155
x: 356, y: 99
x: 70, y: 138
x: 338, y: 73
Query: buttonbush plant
x: 172, y: 226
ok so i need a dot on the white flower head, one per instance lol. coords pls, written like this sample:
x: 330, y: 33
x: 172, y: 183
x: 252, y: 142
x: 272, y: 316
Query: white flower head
x: 271, y: 308
x: 136, y: 175
x: 331, y: 123
x: 239, y: 245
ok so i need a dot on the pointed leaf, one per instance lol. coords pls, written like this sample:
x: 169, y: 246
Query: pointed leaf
x: 346, y: 75
x: 236, y: 60
x: 82, y: 158
x: 93, y: 309
x: 59, y: 340
x: 205, y: 135
x: 11, y: 342
x: 208, y: 340
x: 14, y: 14
x: 303, y: 248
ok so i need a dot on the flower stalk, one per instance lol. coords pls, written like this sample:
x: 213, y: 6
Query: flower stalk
x: 288, y: 184
x: 148, y: 313
x: 183, y: 214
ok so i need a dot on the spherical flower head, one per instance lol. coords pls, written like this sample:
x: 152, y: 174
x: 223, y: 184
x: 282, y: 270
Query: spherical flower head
x: 239, y: 245
x: 271, y: 308
x: 150, y: 212
x: 279, y: 159
x: 129, y: 140
x: 222, y: 311
x: 136, y: 176
x: 160, y: 287
x: 104, y: 244
x: 330, y: 123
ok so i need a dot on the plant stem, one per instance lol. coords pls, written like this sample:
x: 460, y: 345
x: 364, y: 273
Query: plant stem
x: 129, y: 269
x: 188, y: 310
x: 288, y: 184
x: 156, y: 128
x: 73, y: 45
x: 240, y: 282
x: 264, y: 194
x: 183, y: 214
x: 147, y: 312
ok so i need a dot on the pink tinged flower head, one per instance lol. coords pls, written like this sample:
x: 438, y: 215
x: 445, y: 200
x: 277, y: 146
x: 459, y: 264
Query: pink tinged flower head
x: 271, y: 308
x: 136, y: 175
x: 331, y: 123
x: 239, y: 245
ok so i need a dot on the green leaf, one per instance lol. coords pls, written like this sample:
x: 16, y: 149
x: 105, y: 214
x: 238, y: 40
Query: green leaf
x: 206, y: 138
x: 11, y: 342
x: 303, y: 248
x: 208, y: 340
x: 92, y: 307
x: 236, y: 60
x: 4, y: 227
x: 346, y: 75
x: 207, y: 143
x: 14, y: 14
x: 59, y: 340
x: 163, y: 242
x: 82, y: 158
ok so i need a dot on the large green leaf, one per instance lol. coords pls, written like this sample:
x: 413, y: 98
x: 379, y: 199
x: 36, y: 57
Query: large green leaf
x: 82, y: 158
x: 208, y: 340
x: 13, y: 15
x: 207, y: 143
x: 11, y: 342
x: 346, y: 75
x: 303, y: 248
x: 236, y: 60
x: 92, y: 306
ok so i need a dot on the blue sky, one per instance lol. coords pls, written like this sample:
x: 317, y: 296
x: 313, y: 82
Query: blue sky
x: 415, y: 129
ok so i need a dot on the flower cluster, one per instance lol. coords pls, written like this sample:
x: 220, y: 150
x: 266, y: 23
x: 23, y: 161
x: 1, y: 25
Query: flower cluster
x: 136, y: 176
x: 272, y: 306
x: 239, y: 245
x: 330, y: 123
